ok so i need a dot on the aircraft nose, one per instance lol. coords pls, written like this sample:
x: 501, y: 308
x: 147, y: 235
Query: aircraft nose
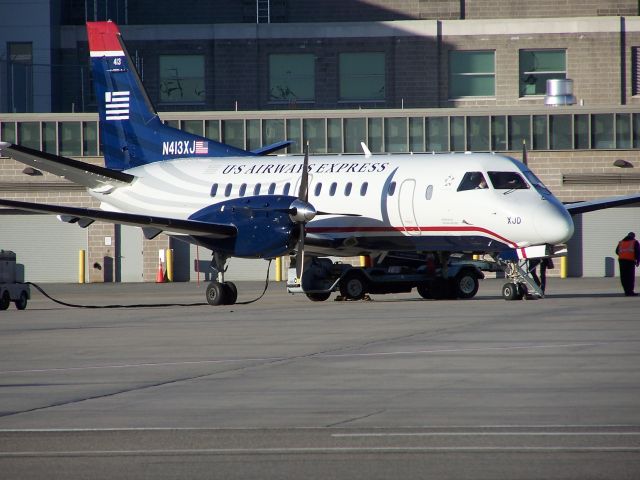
x: 553, y: 223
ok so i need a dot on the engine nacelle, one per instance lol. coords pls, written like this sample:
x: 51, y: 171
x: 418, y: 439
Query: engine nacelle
x: 265, y: 229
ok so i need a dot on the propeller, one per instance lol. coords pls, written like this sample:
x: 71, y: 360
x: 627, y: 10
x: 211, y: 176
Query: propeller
x: 301, y: 212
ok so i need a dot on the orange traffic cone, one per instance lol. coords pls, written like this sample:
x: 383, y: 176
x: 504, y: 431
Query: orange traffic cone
x: 160, y: 274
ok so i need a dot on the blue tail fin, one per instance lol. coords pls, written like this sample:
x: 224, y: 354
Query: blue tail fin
x: 132, y: 133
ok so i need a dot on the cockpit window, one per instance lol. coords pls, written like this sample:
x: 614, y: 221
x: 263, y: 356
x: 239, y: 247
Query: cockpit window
x: 507, y: 181
x: 472, y: 180
x: 536, y: 182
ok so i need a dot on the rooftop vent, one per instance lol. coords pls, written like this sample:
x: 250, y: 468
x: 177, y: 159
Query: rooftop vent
x: 559, y: 92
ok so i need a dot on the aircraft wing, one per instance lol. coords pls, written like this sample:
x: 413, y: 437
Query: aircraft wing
x: 600, y: 203
x: 90, y: 176
x: 152, y: 226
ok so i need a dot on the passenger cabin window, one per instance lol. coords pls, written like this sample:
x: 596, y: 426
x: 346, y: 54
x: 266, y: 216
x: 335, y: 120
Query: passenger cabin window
x: 243, y: 189
x: 472, y: 181
x: 507, y: 181
x: 214, y: 189
x: 285, y: 190
x: 363, y: 189
x: 272, y: 188
x: 347, y: 189
x: 392, y: 188
x: 332, y: 189
x: 318, y: 189
x: 429, y: 193
x: 256, y: 189
x: 227, y: 190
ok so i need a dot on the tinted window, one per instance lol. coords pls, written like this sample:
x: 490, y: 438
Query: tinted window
x: 214, y: 189
x: 472, y: 181
x: 318, y: 189
x: 507, y: 181
x: 332, y: 189
x: 347, y: 189
x: 243, y: 189
x: 363, y: 189
x: 272, y: 188
x: 285, y: 190
x: 256, y: 189
x: 227, y: 190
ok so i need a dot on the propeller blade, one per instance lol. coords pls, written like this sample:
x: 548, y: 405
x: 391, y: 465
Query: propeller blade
x: 300, y: 253
x: 303, y: 192
x: 341, y: 214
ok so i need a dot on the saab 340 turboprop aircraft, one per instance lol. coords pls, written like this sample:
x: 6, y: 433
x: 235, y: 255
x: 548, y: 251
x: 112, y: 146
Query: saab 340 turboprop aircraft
x: 243, y: 204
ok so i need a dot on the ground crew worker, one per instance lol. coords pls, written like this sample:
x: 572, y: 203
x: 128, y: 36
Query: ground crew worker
x: 628, y: 251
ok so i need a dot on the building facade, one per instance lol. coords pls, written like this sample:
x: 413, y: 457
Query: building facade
x: 403, y: 75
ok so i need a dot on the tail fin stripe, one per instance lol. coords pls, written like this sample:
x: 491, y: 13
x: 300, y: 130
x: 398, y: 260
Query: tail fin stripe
x: 107, y: 53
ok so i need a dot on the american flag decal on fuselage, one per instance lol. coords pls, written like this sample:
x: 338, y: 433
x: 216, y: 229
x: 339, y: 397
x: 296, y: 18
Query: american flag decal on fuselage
x: 202, y: 147
x: 117, y: 105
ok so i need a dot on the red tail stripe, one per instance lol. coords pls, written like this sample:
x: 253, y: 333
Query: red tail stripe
x: 103, y: 36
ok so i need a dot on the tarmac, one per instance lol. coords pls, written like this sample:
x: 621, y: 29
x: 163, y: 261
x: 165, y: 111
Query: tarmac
x: 286, y: 388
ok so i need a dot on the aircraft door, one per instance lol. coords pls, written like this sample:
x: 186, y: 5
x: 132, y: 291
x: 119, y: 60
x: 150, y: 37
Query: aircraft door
x: 406, y: 210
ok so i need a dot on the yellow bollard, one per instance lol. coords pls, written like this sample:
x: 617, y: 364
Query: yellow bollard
x: 81, y: 266
x: 169, y: 261
x: 563, y: 267
x: 365, y: 261
x: 278, y: 269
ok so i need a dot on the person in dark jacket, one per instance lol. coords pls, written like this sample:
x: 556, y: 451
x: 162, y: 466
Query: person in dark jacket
x: 628, y: 251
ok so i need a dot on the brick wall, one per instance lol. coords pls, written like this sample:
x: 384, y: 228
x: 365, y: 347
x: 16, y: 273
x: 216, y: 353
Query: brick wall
x: 238, y: 11
x: 593, y: 62
x: 476, y: 9
x: 550, y: 166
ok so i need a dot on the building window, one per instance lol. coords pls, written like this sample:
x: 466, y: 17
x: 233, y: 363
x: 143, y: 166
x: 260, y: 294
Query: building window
x: 362, y: 76
x: 538, y: 66
x: 436, y: 134
x: 472, y: 74
x: 20, y: 77
x: 292, y: 78
x: 182, y: 79
x: 478, y: 134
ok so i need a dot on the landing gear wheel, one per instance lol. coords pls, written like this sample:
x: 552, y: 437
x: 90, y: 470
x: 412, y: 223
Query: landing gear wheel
x: 230, y: 292
x: 21, y: 303
x: 318, y: 297
x: 439, y: 289
x: 510, y: 291
x: 353, y: 286
x: 5, y: 300
x: 466, y: 285
x: 216, y: 294
x: 423, y: 291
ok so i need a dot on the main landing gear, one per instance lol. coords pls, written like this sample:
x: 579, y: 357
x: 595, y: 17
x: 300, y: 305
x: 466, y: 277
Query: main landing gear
x: 220, y: 292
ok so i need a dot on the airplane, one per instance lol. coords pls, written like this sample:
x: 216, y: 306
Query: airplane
x: 239, y: 203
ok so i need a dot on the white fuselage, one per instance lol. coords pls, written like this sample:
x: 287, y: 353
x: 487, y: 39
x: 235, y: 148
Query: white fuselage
x: 396, y: 196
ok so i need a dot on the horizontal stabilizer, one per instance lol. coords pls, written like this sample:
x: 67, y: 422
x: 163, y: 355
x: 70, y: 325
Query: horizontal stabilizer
x: 601, y: 203
x: 274, y: 147
x: 81, y: 173
x: 84, y: 215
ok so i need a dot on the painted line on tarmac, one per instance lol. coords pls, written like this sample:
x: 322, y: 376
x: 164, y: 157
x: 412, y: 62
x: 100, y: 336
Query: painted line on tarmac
x: 312, y: 355
x: 463, y: 350
x: 309, y: 450
x: 483, y: 434
x: 466, y: 428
